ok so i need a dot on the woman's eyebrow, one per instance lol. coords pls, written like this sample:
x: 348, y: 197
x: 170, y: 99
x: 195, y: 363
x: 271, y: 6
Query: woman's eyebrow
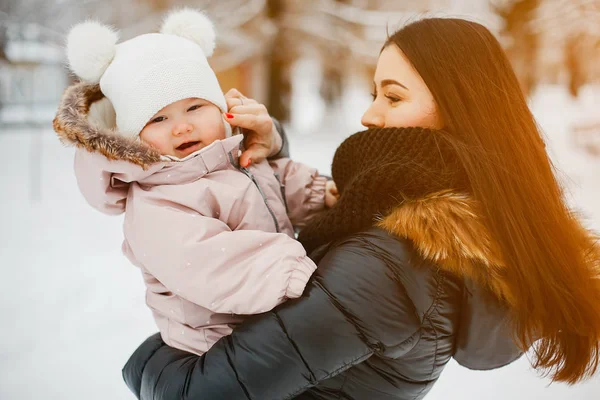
x: 387, y: 82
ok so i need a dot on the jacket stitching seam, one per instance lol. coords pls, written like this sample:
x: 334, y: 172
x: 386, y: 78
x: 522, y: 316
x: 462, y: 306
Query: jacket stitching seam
x: 375, y: 250
x: 142, y: 373
x: 341, y: 390
x: 237, y: 378
x: 434, y: 307
x: 156, y: 382
x: 280, y: 322
x: 366, y: 339
x: 331, y: 374
x: 435, y: 302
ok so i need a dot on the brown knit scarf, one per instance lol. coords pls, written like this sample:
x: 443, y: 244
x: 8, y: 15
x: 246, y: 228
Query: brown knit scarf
x: 378, y: 169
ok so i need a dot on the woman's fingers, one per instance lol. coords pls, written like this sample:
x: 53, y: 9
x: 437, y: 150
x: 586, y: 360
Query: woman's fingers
x: 235, y: 98
x: 256, y: 123
x: 239, y: 102
x: 255, y: 109
x: 252, y: 117
x: 233, y: 92
x: 252, y: 122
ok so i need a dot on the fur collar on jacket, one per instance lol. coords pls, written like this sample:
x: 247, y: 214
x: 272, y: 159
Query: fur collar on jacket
x: 447, y: 229
x: 78, y: 122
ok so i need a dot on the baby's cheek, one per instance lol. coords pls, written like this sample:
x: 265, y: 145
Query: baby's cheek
x: 156, y: 143
x: 218, y: 130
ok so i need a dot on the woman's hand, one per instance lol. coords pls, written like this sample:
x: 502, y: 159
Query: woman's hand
x: 331, y: 194
x: 256, y: 123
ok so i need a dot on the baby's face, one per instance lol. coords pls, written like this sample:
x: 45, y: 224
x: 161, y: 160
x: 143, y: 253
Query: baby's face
x: 184, y: 127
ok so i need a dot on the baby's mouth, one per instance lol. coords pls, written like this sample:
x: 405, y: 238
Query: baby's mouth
x: 187, y: 145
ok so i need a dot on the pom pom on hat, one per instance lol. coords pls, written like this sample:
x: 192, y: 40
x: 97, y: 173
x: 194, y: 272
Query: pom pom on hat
x: 192, y: 25
x: 142, y: 75
x: 91, y: 47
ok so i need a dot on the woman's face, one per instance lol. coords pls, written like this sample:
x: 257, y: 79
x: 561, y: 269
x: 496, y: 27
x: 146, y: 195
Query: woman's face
x: 400, y: 97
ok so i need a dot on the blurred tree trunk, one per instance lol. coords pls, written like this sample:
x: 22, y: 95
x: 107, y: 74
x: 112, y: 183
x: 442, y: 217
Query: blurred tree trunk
x: 523, y: 51
x: 333, y: 67
x: 331, y: 84
x: 280, y: 60
x: 574, y: 65
x: 6, y: 9
x: 5, y: 12
x: 3, y: 43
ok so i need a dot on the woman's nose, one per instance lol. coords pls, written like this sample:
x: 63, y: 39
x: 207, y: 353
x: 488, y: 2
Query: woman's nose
x: 182, y: 128
x: 372, y: 118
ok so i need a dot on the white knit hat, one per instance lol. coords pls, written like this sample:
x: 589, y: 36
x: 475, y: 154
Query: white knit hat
x: 142, y: 75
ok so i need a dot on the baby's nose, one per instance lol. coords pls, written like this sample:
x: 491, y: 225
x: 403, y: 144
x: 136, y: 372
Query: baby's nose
x: 182, y: 127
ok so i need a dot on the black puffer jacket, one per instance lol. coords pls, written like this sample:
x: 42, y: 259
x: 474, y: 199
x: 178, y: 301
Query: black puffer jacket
x: 377, y: 321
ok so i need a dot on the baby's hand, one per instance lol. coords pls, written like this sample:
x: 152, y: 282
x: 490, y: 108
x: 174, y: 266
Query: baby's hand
x: 331, y: 194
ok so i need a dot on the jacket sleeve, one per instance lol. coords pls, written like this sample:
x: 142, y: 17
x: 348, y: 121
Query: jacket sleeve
x: 202, y: 260
x: 280, y: 146
x: 351, y: 309
x: 304, y: 189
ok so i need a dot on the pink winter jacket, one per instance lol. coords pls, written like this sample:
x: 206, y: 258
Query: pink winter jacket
x: 213, y: 241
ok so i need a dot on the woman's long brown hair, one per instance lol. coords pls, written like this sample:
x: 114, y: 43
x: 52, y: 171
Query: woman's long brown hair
x: 552, y: 264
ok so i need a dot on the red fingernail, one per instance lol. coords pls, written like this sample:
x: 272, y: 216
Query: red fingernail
x: 249, y: 162
x: 229, y: 115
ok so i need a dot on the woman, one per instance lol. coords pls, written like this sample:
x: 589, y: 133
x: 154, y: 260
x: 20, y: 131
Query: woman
x: 451, y: 239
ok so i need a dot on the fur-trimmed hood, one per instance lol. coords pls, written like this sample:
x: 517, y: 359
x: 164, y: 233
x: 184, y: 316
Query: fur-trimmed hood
x: 86, y: 119
x: 106, y: 163
x: 446, y: 228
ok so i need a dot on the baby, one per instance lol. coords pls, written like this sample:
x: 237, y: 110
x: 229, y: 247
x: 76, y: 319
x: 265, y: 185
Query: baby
x: 213, y: 239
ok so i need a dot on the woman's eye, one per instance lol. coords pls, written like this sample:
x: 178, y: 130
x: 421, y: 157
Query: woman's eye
x: 158, y: 119
x: 374, y: 95
x: 393, y: 99
x: 194, y: 107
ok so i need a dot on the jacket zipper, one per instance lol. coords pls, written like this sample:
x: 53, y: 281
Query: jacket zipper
x: 282, y: 188
x: 253, y: 179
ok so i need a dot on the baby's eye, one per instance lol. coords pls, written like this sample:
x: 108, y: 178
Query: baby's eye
x: 157, y: 119
x: 194, y: 107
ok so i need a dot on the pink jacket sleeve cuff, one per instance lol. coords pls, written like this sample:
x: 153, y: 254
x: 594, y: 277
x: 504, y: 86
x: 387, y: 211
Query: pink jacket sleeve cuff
x: 304, y: 268
x: 316, y: 197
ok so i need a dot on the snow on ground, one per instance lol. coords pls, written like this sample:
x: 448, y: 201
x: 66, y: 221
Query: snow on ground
x: 73, y: 308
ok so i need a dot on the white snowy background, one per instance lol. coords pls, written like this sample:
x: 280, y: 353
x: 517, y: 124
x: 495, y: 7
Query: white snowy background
x: 73, y: 308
